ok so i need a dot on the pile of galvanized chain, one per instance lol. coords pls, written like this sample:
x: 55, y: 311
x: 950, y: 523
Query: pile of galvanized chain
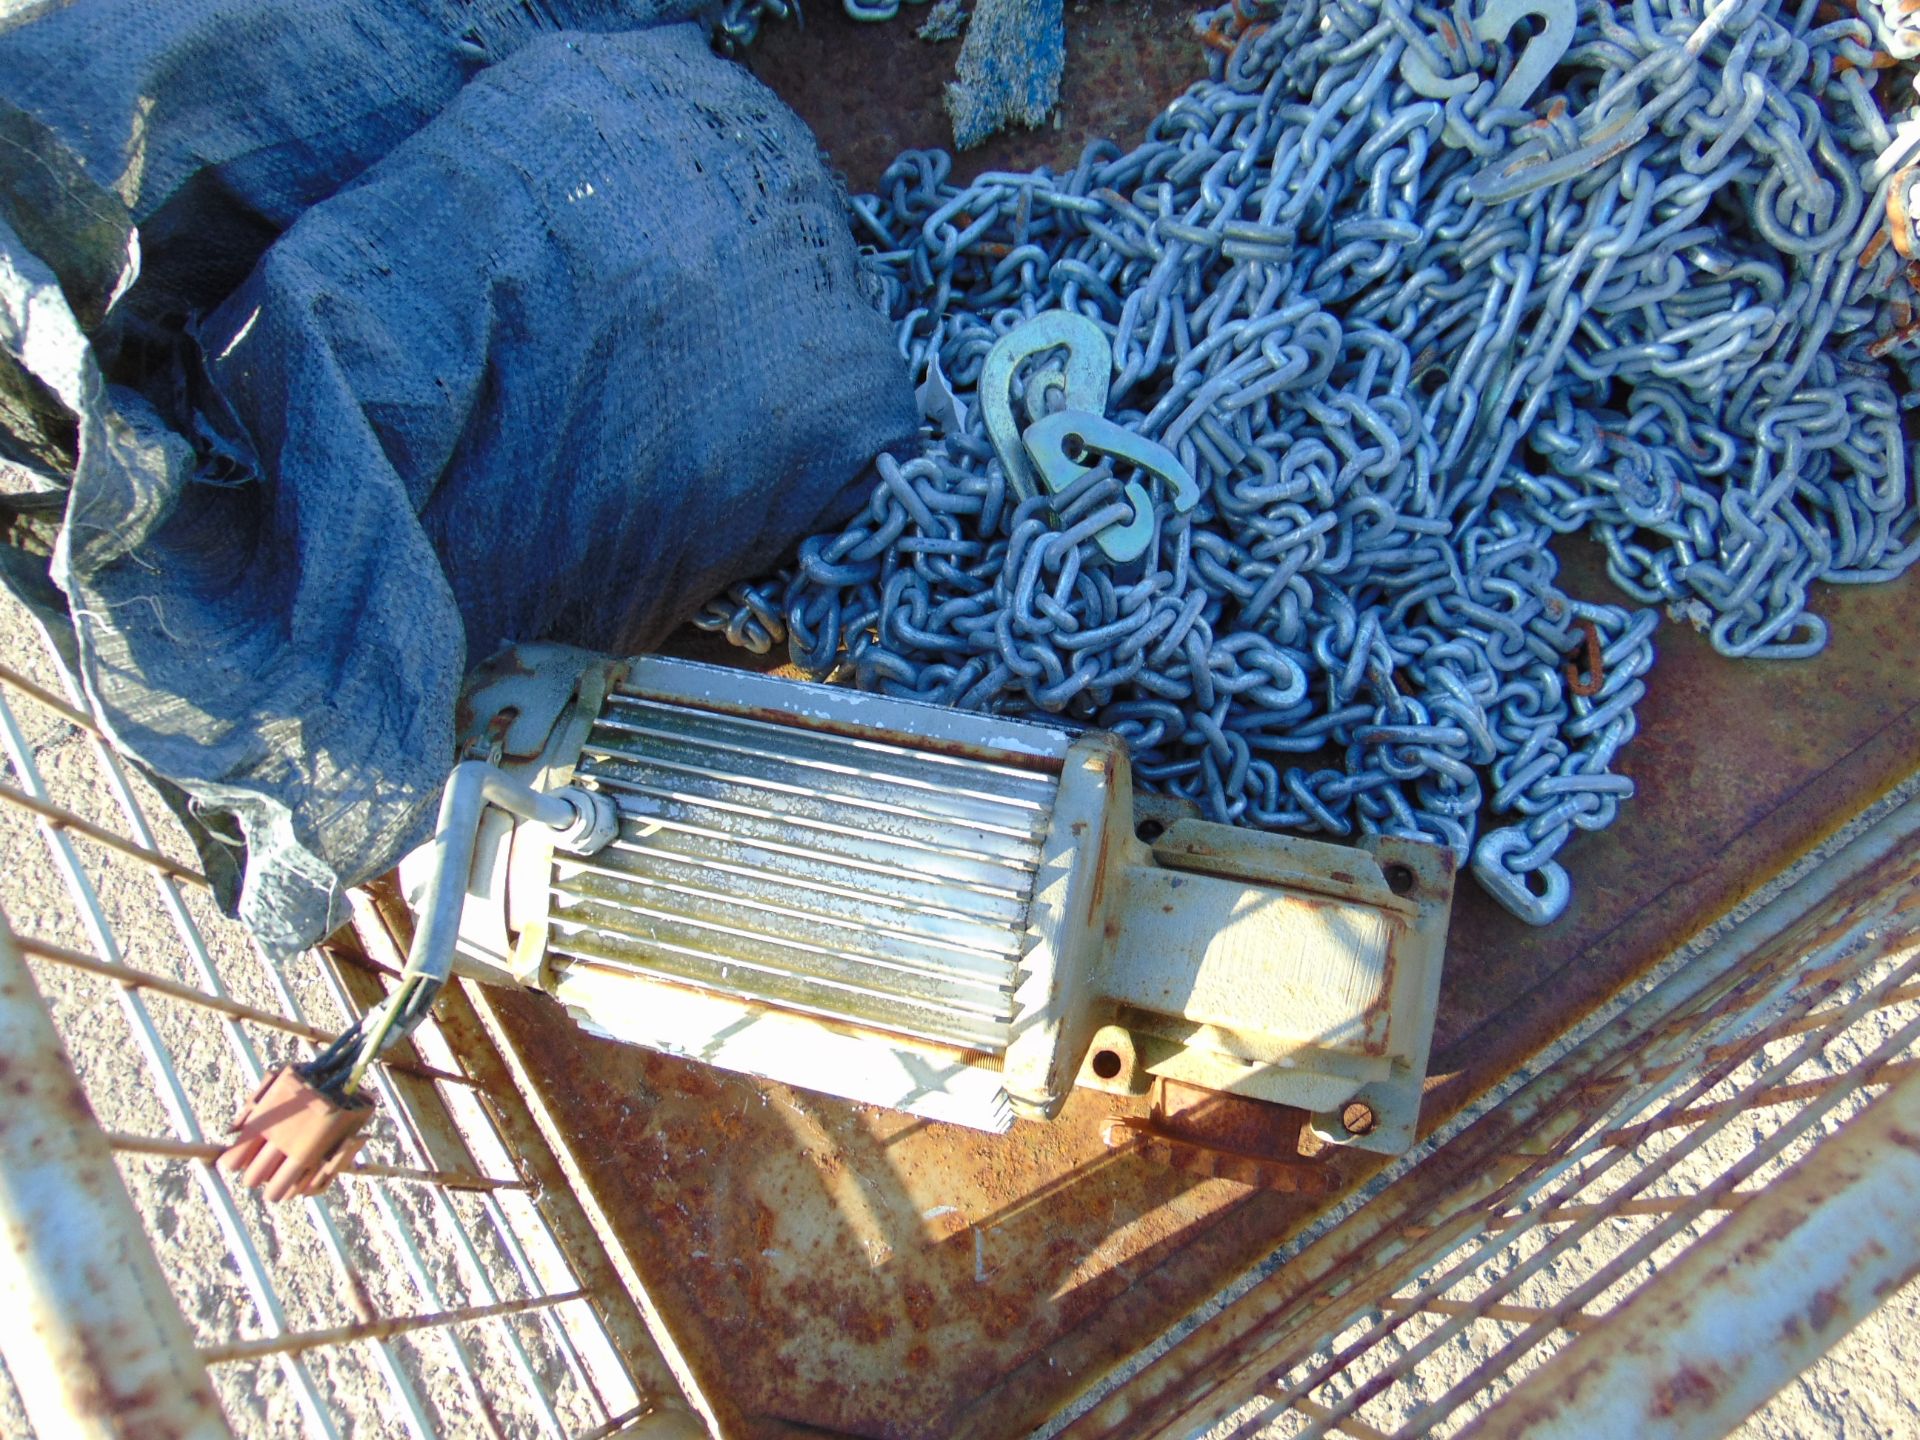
x: 1410, y: 292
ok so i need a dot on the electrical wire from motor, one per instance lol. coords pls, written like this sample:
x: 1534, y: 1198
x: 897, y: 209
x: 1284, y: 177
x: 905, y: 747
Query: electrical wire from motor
x: 305, y: 1124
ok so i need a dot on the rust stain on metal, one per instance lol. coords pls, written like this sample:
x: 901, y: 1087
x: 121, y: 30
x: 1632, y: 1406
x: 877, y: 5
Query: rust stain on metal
x: 1146, y: 1138
x: 1098, y: 891
x: 1826, y: 1304
x: 505, y: 665
x: 849, y: 1267
x: 1229, y: 1125
x: 1689, y: 1388
x: 1897, y: 216
x: 870, y: 94
x: 112, y: 1351
x: 1376, y: 1017
x: 1738, y: 771
x: 1596, y: 674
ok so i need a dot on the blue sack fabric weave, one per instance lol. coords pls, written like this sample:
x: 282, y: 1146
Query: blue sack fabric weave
x: 583, y: 348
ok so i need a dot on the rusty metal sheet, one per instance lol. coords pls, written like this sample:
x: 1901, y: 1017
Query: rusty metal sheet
x: 831, y: 1266
x: 871, y: 91
x: 862, y: 1272
x: 854, y: 1268
x: 1740, y: 769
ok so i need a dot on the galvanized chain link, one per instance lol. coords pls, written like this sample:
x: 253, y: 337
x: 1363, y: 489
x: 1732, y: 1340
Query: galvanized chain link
x: 738, y: 22
x: 1405, y: 322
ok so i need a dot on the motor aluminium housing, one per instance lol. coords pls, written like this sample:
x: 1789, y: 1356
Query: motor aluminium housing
x: 946, y: 913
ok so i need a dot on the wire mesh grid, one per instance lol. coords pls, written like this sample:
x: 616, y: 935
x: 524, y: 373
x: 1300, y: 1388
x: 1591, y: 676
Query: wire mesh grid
x: 444, y: 1287
x: 1571, y: 1238
x: 1418, y: 1313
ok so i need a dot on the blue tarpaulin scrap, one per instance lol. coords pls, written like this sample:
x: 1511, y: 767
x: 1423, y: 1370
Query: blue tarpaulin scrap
x: 341, y: 343
x: 1009, y: 68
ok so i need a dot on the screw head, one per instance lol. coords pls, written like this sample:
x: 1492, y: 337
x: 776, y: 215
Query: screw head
x: 1358, y: 1118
